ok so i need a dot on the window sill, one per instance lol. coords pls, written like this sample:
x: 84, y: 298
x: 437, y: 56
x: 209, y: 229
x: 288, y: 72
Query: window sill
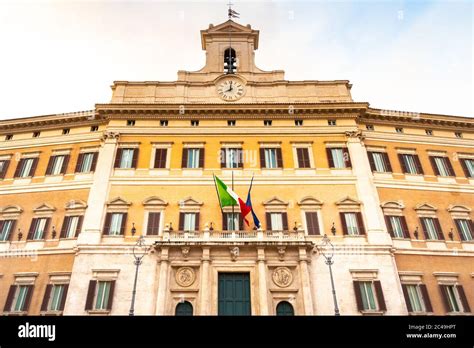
x: 372, y: 313
x: 98, y: 312
x: 458, y: 313
x: 420, y: 313
x: 124, y: 171
x: 51, y: 313
x: 414, y: 177
x: 15, y: 314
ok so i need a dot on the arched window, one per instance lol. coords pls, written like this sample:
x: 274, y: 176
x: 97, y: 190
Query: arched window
x: 184, y: 309
x: 285, y: 308
x: 230, y: 62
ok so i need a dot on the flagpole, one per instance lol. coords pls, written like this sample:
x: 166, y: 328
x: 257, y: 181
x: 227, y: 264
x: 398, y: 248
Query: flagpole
x: 233, y: 216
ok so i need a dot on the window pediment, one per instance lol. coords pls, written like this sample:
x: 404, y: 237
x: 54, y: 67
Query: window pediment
x: 44, y: 208
x: 189, y: 202
x: 392, y: 205
x: 458, y: 208
x: 154, y: 202
x: 347, y: 201
x: 310, y: 202
x: 75, y: 205
x: 274, y: 201
x: 11, y: 211
x: 425, y: 207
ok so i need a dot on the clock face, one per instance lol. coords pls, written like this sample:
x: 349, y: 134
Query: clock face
x: 230, y: 89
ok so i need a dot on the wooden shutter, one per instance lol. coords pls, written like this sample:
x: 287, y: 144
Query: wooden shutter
x: 312, y: 224
x: 224, y: 222
x: 450, y: 167
x: 47, y: 294
x: 223, y: 157
x: 444, y: 296
x: 29, y: 293
x: 111, y: 295
x: 268, y: 220
x: 386, y: 160
x: 426, y: 298
x: 49, y: 168
x: 423, y: 226
x: 343, y: 223
x: 6, y: 164
x: 406, y: 232
x: 160, y: 158
x: 262, y: 158
x: 135, y: 157
x: 80, y: 159
x: 31, y: 231
x: 124, y: 224
x: 18, y: 168
x: 10, y: 296
x: 330, y: 159
x: 389, y: 225
x: 94, y: 161
x: 419, y: 168
x: 458, y: 227
x: 63, y: 299
x: 181, y: 221
x: 201, y: 157
x: 464, y: 302
x: 240, y: 158
x: 407, y: 298
x: 438, y: 229
x: 279, y: 157
x: 379, y: 293
x: 370, y: 155
x: 464, y: 167
x: 346, y: 157
x: 153, y: 223
x: 64, y: 227
x: 12, y: 228
x: 33, y: 167
x: 118, y: 158
x: 358, y: 295
x: 106, y: 230
x: 90, y: 295
x: 46, y: 227
x: 284, y: 218
x: 65, y: 163
x: 241, y: 222
x: 79, y: 225
x: 360, y: 223
x: 184, y: 158
x: 434, y: 166
x: 196, y: 222
x: 402, y: 163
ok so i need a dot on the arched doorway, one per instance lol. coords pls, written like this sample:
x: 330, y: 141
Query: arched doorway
x: 285, y: 308
x: 184, y: 309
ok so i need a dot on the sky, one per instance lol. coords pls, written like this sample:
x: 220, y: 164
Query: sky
x: 407, y: 55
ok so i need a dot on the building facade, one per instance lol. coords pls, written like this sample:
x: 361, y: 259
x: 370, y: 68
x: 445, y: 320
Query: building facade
x: 394, y: 192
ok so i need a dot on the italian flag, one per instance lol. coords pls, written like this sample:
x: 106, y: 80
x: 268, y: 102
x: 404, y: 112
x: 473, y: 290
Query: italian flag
x: 228, y: 198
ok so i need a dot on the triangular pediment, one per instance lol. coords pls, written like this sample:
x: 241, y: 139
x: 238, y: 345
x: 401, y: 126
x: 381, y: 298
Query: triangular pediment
x: 189, y: 201
x: 238, y: 31
x: 44, y: 208
x: 118, y: 201
x: 348, y: 201
x: 274, y: 201
x: 426, y: 206
x: 310, y: 201
x: 154, y: 201
x: 227, y: 26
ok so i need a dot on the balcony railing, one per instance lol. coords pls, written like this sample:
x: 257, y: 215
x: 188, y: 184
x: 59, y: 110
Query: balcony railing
x: 259, y: 235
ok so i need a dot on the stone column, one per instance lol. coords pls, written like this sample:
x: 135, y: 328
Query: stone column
x: 162, y: 283
x: 305, y: 282
x: 92, y: 226
x: 262, y: 282
x: 366, y: 191
x: 204, y: 287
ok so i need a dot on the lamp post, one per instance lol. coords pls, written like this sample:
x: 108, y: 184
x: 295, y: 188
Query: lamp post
x: 327, y: 251
x: 140, y: 249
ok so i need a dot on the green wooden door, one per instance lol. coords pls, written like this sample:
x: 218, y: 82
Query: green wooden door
x: 284, y: 309
x: 234, y: 294
x: 184, y: 309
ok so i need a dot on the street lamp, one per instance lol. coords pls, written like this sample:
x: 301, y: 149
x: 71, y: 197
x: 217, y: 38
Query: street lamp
x: 140, y: 249
x: 327, y: 251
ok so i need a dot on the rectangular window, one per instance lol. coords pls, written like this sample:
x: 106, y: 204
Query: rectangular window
x: 331, y: 122
x: 276, y: 221
x: 468, y: 167
x: 38, y: 228
x: 130, y: 122
x: 303, y: 157
x: 4, y: 164
x: 441, y: 166
x: 397, y: 226
x: 126, y: 160
x: 298, y: 123
x: 26, y: 167
x: 351, y: 223
x: 57, y: 165
x: 410, y: 164
x: 194, y: 123
x: 86, y: 162
x: 56, y: 297
x: 455, y: 299
x: 9, y: 137
x: 102, y: 296
x: 189, y: 221
x: 231, y: 123
x: 432, y: 228
x: 193, y: 158
x: 267, y: 122
x: 94, y: 128
x: 312, y: 224
x: 115, y: 224
x: 232, y: 158
x: 232, y: 222
x: 271, y: 158
x: 20, y: 300
x: 367, y: 294
x: 465, y: 228
x: 416, y: 298
x: 379, y: 162
x: 338, y: 158
x: 66, y: 131
x: 153, y: 226
x: 160, y: 158
x: 6, y: 229
x: 163, y: 123
x: 369, y: 127
x: 71, y: 226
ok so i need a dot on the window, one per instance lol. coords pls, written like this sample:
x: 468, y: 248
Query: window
x: 153, y: 225
x: 468, y: 167
x: 71, y: 226
x: 369, y: 296
x: 160, y: 158
x: 410, y: 163
x: 126, y: 158
x: 379, y: 162
x: 86, y: 162
x: 416, y: 298
x: 130, y: 122
x: 397, y: 226
x: 352, y: 223
x: 100, y: 295
x: 9, y: 137
x: 194, y: 123
x: 54, y: 297
x: 429, y: 132
x: 271, y: 158
x: 231, y: 158
x: 231, y: 123
x: 432, y: 228
x: 230, y: 61
x: 188, y: 221
x: 458, y: 134
x: 6, y: 229
x: 4, y: 164
x: 57, y: 165
x: 331, y: 122
x: 312, y: 224
x: 18, y: 298
x: 94, y: 128
x: 303, y: 157
x: 298, y: 123
x: 193, y: 158
x: 36, y: 134
x: 369, y: 127
x: 267, y: 122
x: 277, y: 221
x: 38, y: 228
x: 26, y: 167
x: 164, y: 123
x: 455, y: 300
x: 66, y: 131
x: 184, y: 308
x: 115, y: 224
x: 399, y: 130
x: 441, y: 166
x: 284, y: 308
x: 338, y: 158
x: 465, y: 228
x: 232, y: 224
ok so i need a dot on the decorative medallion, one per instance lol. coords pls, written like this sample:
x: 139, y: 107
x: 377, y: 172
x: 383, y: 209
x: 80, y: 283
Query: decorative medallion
x: 282, y: 277
x: 185, y: 276
x: 234, y: 253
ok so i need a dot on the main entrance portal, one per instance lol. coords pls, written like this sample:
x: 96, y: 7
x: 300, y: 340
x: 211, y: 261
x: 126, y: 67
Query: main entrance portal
x: 234, y: 294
